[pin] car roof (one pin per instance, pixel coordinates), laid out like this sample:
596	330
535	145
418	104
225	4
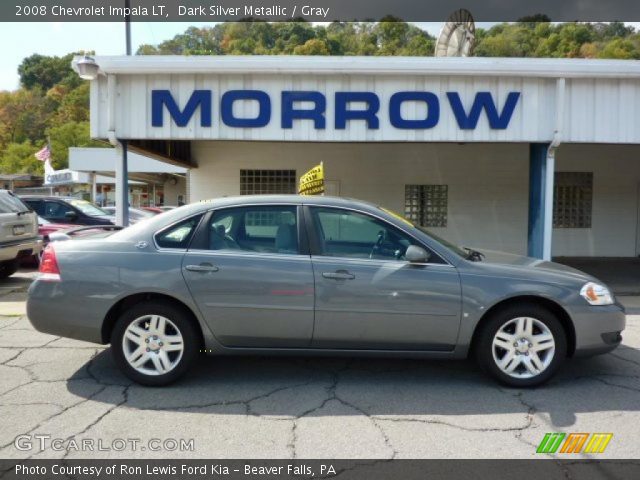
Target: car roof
297	199
47	197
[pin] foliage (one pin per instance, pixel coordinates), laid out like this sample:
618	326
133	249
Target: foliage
52	103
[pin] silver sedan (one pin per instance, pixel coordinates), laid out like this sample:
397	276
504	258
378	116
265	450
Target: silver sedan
294	275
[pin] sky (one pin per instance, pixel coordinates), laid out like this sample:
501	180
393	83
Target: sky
103	38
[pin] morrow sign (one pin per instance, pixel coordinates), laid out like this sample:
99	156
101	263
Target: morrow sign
363	106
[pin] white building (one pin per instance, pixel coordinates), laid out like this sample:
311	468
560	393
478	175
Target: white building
152	182
461	145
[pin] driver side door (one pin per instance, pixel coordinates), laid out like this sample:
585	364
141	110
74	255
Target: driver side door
367	296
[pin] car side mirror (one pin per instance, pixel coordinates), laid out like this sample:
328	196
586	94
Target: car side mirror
70	215
415	254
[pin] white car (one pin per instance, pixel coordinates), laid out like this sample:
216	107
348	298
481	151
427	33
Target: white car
18	233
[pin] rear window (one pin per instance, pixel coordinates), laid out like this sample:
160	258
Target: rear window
9	203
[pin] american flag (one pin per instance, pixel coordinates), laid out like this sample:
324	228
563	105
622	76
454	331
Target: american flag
44	154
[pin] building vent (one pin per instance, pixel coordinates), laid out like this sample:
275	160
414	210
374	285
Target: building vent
258	182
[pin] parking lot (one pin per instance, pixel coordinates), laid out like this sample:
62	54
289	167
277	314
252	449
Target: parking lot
297	407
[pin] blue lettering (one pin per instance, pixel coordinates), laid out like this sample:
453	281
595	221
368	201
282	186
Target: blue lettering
199	98
291	109
483	100
289	114
264	108
433	110
368	114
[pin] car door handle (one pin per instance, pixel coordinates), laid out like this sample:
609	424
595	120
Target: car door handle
339	275
203	267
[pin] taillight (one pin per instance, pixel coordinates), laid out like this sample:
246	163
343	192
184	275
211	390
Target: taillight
48	269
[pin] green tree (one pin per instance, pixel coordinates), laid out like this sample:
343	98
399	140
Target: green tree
19	158
70	134
315	46
43	72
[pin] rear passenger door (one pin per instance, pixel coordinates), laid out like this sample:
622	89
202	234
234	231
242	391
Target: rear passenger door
250	274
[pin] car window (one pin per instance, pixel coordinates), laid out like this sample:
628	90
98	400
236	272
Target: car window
178	235
56	210
88	208
268	229
9	203
345	233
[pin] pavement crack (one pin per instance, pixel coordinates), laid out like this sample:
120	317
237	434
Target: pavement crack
20	352
51	417
125	399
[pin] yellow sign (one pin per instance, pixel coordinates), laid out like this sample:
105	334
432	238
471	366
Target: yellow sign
312	182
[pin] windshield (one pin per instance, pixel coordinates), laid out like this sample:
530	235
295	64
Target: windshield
88	208
456	249
9	203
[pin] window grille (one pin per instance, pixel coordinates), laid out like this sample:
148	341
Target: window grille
426	205
257	182
572	199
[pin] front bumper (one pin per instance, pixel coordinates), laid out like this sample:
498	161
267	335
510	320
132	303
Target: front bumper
598	329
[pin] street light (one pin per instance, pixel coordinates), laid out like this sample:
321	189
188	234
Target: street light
87	68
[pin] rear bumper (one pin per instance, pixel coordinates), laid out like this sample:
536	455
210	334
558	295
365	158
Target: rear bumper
19	249
53	309
598	329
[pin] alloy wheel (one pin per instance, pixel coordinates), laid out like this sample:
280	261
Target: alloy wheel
523	347
153	345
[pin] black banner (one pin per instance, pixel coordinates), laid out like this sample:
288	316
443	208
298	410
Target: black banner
381	469
311	10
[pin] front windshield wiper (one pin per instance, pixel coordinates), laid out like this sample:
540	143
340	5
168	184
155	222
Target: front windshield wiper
473	255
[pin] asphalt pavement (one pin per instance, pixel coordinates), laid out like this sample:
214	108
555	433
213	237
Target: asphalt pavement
65	398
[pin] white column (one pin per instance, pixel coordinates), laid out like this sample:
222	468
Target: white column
547	239
94	189
122	188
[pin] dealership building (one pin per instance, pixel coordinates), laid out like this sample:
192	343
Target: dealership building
538	156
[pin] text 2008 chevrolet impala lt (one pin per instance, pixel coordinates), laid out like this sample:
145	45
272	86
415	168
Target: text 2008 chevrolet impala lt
314	275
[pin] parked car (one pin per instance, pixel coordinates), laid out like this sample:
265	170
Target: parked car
18	233
135	214
68	210
83	231
315	275
154	210
45	229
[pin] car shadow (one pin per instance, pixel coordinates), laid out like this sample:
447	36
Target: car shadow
295	386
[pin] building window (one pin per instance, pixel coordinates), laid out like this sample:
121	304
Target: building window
257	182
426	205
572	199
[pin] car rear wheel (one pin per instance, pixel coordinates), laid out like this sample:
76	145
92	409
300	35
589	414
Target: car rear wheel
8	268
154	343
522	346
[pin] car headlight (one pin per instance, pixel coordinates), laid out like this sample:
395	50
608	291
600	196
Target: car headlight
596	294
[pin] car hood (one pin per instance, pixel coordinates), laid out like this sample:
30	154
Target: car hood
522	263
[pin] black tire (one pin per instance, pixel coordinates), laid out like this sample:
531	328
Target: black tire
483	345
181	320
8	268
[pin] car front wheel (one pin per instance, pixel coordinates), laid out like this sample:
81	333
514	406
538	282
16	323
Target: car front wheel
522	346
154	343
